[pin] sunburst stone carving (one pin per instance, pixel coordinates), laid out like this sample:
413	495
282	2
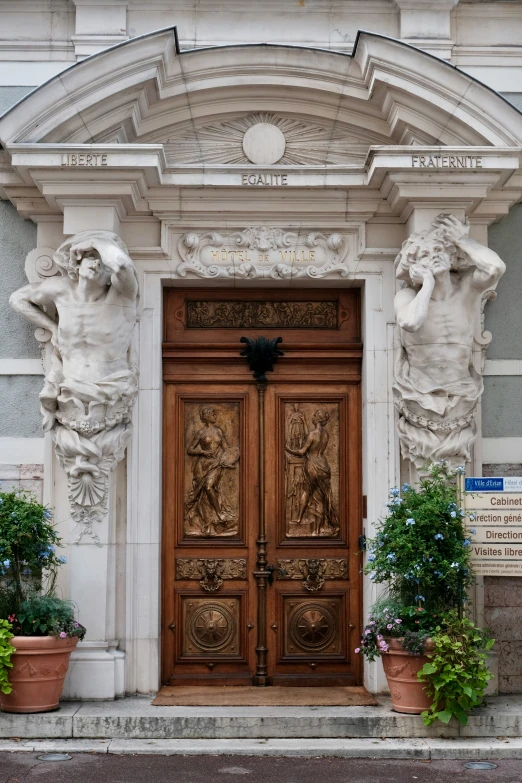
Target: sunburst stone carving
307	143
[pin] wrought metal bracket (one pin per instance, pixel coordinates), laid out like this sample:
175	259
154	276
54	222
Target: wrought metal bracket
261	355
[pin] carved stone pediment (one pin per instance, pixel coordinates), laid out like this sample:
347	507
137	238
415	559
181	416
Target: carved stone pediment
266	252
305	142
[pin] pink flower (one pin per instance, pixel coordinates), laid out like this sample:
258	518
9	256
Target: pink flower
389	626
76	624
357	649
379	636
372	622
63	635
398	621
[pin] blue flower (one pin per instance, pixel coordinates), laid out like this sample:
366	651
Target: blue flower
397	501
410	521
62	559
47	514
455	565
472	517
372	576
473	530
371	558
460	470
466	542
391	556
438	573
438	536
419	598
453	514
394	492
405	487
6	563
1	501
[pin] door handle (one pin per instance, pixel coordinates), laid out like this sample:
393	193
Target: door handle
280	573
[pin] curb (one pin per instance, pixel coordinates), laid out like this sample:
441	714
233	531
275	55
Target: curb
462	749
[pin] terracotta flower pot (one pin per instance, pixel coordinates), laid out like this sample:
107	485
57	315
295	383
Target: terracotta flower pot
401	667
40	664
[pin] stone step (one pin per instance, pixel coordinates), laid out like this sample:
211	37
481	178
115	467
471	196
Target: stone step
136	718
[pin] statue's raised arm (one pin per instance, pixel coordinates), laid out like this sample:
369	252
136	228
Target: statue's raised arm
112	253
437	386
91	383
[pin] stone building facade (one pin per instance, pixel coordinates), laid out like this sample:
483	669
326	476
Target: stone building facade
192	129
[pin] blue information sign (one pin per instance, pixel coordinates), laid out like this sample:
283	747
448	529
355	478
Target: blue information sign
490	484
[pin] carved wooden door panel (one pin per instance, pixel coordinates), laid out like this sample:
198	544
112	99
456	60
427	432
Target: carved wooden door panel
210	475
261	592
313	497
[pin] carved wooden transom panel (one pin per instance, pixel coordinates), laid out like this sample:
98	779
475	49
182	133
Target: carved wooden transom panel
250	314
211	627
311	466
211	475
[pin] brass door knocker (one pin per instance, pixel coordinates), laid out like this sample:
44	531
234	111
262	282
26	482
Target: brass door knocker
211	571
313	571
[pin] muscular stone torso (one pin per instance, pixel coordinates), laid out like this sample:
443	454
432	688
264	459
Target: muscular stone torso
94	337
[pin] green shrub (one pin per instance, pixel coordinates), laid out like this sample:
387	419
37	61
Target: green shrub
46	615
6	651
456	672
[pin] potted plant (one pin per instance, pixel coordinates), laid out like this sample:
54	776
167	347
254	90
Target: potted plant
44	627
422	553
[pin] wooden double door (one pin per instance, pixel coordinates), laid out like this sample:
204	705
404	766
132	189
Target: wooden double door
262	490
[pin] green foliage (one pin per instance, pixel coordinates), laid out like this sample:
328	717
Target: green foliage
45	615
456	672
6	651
28	544
28	567
390	620
421	549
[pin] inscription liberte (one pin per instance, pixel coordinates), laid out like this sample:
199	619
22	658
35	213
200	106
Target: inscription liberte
84	159
446	161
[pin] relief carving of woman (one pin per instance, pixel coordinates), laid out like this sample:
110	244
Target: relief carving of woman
316	504
207	512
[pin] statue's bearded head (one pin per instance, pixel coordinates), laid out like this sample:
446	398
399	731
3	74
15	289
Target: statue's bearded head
431	249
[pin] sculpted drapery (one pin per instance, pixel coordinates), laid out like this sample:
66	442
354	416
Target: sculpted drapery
91	385
436	386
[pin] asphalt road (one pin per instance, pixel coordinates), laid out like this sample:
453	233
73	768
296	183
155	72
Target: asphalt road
98	768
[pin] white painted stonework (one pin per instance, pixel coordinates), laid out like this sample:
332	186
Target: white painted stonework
437	388
91	383
146	141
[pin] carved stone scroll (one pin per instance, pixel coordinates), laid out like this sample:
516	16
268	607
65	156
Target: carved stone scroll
265	252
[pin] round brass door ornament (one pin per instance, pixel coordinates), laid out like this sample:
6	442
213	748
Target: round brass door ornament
212	627
312	626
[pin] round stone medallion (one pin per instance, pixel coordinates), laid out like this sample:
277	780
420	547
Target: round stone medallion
264	143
